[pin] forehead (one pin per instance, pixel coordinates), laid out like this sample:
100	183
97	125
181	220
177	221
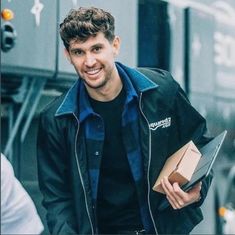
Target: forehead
91	41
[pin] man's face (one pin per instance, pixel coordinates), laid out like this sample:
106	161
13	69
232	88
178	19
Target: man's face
94	59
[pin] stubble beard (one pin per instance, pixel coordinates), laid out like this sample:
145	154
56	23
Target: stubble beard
100	85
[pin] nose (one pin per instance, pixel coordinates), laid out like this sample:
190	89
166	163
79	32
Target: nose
90	60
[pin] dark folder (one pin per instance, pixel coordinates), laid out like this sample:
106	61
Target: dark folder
209	153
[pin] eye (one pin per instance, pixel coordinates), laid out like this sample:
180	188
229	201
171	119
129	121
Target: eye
97	49
77	52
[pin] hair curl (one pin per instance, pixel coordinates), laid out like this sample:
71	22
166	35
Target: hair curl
84	22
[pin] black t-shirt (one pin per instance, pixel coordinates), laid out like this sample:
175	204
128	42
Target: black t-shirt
117	202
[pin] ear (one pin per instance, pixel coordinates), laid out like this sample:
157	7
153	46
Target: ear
67	55
116	45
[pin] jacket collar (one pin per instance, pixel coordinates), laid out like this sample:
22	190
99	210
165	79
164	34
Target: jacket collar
140	82
69	104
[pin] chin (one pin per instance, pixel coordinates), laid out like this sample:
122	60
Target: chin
96	85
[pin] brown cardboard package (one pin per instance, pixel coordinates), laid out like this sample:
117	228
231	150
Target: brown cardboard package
180	166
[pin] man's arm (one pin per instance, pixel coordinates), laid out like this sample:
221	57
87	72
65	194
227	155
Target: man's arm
53	180
191	126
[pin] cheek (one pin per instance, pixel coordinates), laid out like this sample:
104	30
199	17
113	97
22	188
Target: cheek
76	64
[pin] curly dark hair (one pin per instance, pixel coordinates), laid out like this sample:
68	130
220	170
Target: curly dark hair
82	23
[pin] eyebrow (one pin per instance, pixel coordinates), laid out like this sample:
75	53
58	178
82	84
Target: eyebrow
97	45
92	47
75	49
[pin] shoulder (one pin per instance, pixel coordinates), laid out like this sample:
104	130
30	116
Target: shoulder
63	104
51	108
159	76
163	78
167	88
47	121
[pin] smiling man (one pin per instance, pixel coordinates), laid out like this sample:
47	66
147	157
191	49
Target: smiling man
94	62
102	145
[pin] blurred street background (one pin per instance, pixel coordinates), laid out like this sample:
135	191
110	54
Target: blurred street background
194	40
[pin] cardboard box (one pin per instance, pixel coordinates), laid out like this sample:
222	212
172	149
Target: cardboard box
180	166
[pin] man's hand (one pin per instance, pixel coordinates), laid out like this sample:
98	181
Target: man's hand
177	197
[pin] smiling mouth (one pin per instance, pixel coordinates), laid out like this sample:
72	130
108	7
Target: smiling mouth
92	72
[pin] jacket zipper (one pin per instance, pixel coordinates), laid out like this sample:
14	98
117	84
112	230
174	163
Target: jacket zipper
150	156
80	174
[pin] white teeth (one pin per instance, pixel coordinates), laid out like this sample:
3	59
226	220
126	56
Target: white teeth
93	71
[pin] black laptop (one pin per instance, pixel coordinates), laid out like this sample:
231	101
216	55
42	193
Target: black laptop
209	153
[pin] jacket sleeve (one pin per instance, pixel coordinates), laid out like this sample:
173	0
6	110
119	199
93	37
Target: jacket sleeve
52	177
192	126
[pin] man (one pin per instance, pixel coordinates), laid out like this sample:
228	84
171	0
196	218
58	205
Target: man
18	212
98	154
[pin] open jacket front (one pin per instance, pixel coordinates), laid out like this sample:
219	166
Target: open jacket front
167	121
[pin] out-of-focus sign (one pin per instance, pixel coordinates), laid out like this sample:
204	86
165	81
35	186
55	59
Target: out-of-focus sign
201	28
177	43
224	48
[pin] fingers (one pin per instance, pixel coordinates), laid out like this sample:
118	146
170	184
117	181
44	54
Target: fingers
173	193
197	187
195	192
177	197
